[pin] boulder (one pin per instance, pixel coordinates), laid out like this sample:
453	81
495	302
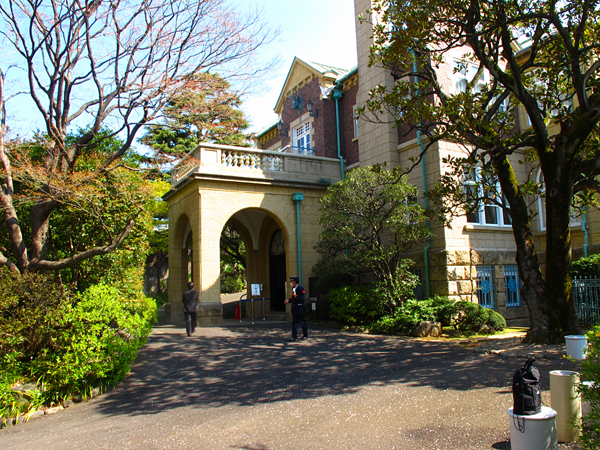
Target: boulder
427	328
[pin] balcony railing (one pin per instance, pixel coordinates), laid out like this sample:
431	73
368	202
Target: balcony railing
298	150
292	163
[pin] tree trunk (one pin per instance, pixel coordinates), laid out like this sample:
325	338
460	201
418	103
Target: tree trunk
535	291
40	225
558	244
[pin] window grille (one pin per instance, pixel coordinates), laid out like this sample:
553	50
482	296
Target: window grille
513	286
485	286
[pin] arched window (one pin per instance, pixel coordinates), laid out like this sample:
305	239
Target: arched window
277	243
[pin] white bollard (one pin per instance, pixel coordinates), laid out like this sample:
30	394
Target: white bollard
566	401
535	432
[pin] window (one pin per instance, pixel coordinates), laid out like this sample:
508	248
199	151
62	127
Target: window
486	214
302	138
355	114
419	289
464	72
513	286
485	286
277	243
541	201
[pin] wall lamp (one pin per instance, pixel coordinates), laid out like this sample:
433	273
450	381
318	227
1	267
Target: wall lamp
309	108
282	132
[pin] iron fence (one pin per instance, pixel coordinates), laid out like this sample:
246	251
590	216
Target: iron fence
586	294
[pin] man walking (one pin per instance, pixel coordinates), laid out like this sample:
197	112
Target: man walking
298	309
190	305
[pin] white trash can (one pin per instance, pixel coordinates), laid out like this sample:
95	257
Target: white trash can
576	346
535	432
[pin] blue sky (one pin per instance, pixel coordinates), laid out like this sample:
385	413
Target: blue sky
320	31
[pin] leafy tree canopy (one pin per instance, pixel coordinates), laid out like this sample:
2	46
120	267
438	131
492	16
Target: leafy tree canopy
371	218
205	110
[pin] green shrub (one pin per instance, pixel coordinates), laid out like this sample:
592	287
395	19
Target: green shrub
590	370
496	321
396	289
353	305
97	339
67	343
30	305
444	310
470	317
412	312
586	267
326	283
390	325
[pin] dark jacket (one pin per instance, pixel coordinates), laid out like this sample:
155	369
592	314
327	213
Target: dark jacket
190	300
299	301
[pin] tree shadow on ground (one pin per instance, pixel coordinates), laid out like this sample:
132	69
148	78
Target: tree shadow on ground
251	365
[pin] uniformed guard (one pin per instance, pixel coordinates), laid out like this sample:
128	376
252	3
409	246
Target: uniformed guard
298	309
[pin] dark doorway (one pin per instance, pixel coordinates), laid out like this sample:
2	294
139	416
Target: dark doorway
277	271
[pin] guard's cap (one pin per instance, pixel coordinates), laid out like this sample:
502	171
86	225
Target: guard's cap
296	279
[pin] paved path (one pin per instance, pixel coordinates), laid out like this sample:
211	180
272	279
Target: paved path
246	387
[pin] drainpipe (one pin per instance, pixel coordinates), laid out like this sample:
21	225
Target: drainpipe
585	234
297	197
424	182
336	95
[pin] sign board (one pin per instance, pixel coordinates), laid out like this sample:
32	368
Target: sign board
255	289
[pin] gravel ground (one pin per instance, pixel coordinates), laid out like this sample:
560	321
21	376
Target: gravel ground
246	387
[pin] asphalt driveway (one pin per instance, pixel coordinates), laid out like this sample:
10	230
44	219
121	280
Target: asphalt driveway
246	387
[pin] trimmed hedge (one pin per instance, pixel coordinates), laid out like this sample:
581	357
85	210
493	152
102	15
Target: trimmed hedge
470	318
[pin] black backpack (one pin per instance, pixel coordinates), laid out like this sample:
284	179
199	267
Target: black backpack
527	395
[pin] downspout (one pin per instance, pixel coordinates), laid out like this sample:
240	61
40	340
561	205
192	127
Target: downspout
297	197
585	234
336	95
425	202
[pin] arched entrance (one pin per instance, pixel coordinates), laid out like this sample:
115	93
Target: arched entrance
277	275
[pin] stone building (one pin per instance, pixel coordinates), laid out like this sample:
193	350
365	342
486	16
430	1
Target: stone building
270	195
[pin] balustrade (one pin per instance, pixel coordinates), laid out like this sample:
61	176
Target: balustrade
238	161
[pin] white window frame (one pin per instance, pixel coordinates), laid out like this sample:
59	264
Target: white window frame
541	203
355	122
461	77
301	132
481	214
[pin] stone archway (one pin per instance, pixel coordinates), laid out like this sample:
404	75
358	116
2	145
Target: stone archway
257	228
217	191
